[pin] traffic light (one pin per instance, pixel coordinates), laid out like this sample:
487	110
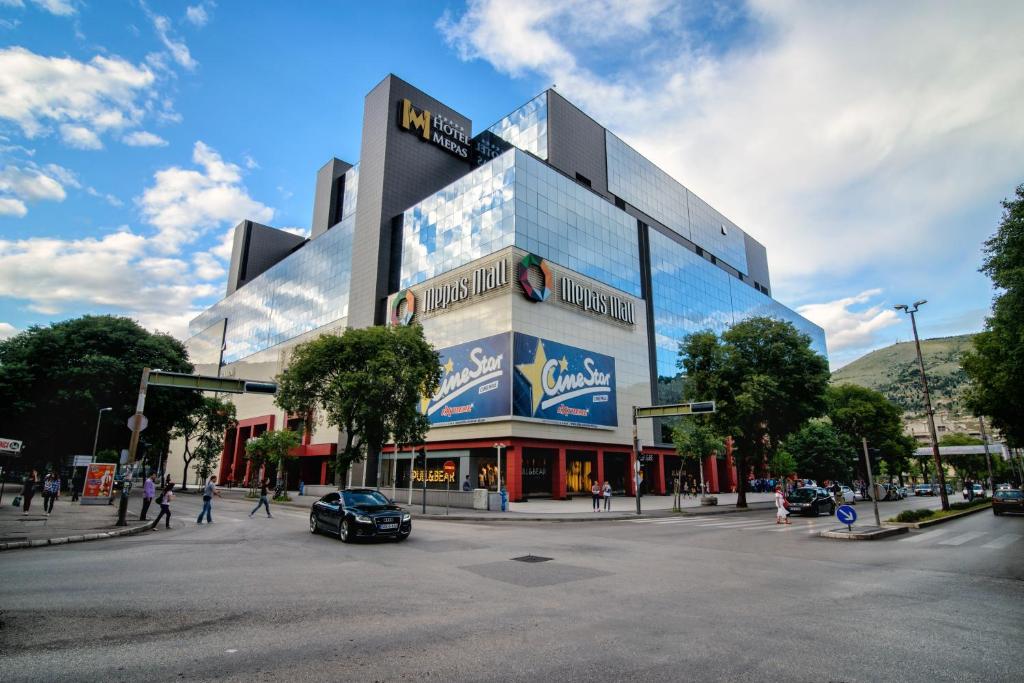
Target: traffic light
260	388
702	407
421	458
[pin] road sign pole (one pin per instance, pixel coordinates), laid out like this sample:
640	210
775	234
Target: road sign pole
636	463
133	446
871	482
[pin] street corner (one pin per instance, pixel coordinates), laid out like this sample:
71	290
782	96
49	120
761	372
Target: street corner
866	533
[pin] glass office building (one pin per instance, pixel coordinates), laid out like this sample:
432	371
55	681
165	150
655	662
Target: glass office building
544	240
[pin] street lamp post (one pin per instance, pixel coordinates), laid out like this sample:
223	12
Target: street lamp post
498	447
911	310
96	439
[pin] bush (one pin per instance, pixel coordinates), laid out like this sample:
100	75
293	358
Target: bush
282	499
914	515
966	504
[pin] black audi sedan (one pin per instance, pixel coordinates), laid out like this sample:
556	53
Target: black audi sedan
359	513
811	500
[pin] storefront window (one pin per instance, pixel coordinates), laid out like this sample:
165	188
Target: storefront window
580	472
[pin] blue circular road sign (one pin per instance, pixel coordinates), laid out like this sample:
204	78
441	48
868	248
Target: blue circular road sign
846	514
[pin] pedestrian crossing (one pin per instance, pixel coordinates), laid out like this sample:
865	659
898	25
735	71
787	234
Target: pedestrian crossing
758	524
944	538
947	538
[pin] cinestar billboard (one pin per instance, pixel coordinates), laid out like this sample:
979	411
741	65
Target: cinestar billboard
475	383
559	383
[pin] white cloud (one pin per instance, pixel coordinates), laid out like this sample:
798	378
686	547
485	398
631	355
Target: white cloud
8	330
178	49
207	267
61	8
12	207
301	232
21	184
79	137
82	99
840	136
196	15
108	198
142	138
852	323
182	203
115	272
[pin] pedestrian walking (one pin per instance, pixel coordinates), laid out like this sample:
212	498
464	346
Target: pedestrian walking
209	491
148	494
28	490
595	495
606	490
264	499
781	507
165	507
466	486
51	491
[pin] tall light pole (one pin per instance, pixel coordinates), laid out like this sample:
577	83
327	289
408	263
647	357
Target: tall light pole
911	310
96	439
498	447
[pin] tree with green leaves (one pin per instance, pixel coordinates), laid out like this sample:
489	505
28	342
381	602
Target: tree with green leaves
820	452
765	379
368	382
782	465
695	438
202	432
858	413
66	372
272	448
996	365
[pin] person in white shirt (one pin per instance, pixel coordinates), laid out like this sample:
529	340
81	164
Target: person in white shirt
781	512
607	491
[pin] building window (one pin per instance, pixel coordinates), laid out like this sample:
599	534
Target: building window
583	180
620	203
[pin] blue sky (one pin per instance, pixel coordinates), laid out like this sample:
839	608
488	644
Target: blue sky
867	146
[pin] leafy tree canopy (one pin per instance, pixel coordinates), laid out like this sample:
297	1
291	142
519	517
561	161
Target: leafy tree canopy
996	366
368	382
820	452
272	448
960	439
765	379
202	431
55	379
858	412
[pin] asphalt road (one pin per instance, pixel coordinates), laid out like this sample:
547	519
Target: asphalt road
732	597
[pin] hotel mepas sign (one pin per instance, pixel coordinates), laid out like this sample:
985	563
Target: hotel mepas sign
475	383
559	383
434	128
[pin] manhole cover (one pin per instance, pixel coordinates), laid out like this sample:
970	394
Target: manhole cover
531	558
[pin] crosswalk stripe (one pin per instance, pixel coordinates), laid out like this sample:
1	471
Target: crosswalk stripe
1002	541
926	536
962	538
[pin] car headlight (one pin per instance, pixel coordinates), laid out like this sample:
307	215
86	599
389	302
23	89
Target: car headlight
363	519
406	517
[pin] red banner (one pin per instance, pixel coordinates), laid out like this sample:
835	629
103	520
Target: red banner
99	480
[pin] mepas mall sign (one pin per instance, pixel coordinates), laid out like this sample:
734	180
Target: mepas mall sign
434	128
434	299
10	446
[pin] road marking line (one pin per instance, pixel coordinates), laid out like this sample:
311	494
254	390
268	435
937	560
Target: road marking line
926	536
963	538
1002	541
739	525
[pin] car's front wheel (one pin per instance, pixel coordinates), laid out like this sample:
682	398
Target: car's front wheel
313	529
401	537
344	532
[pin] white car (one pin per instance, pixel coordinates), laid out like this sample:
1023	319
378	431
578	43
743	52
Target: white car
848	495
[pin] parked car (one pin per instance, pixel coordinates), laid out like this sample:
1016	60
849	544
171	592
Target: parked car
359	513
904	492
979	491
925	490
811	500
1007	500
848	495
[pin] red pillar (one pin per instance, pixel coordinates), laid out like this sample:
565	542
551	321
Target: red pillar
631	475
559	482
730	468
659	474
241	435
513	462
711	473
323	472
226	456
600	466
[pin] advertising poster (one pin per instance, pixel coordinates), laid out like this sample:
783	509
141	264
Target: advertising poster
99	483
559	383
475	383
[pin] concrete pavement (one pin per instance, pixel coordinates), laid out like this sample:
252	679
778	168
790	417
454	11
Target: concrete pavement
69	522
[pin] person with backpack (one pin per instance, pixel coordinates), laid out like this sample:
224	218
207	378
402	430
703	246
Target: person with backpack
165	507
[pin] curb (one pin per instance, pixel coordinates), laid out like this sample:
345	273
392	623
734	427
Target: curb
79	538
925	523
513	517
882	532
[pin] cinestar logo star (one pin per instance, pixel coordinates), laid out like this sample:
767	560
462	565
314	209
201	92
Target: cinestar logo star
552	381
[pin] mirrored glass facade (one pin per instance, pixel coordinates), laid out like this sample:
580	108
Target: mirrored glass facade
306	290
639	182
526	127
690	294
516	199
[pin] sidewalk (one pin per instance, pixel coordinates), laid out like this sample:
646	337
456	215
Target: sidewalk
579	509
69	523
